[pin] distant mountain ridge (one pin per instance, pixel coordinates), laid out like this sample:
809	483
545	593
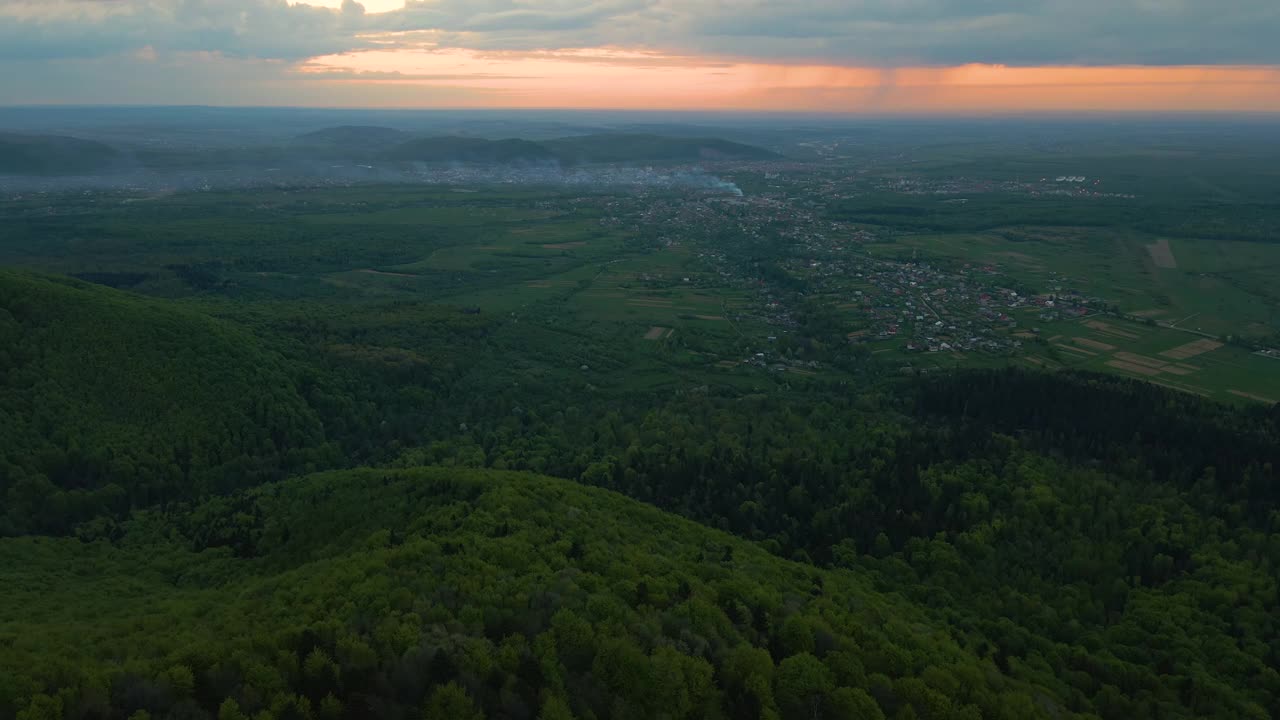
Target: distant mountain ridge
22	154
625	148
472	151
368	136
582	150
56	155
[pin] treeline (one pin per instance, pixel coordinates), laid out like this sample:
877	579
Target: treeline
1236	221
1171	437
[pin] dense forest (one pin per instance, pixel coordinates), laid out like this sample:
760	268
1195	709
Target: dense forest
186	537
112	402
468	594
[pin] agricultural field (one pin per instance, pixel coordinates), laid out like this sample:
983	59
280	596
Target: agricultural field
554	273
690	290
1171	358
1220	287
1175	359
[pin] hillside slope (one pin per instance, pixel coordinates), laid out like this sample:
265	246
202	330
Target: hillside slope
52	155
583	150
470	594
354	136
116	401
622	148
471	151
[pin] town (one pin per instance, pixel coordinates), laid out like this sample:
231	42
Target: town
780	248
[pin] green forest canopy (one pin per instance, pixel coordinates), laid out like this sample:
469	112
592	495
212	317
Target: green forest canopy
110	400
995	544
528	595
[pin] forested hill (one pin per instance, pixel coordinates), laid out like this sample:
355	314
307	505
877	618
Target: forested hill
1051	545
354	136
634	148
52	155
473	595
571	151
110	401
471	151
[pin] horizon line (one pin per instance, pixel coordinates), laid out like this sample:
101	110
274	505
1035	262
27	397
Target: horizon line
1121	112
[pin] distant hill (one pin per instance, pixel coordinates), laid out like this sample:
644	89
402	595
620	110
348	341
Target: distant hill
52	155
629	148
355	136
472	151
583	150
112	400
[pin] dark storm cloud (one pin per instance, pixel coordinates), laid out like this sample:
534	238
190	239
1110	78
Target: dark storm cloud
948	32
868	32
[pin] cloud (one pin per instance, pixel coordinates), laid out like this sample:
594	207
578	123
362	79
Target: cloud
1010	32
871	32
883	33
320	72
269	29
266	51
512	15
203	78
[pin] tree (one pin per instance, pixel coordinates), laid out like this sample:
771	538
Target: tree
451	702
796	636
331	708
624	669
320	671
882	545
669	682
555	708
182	680
854	704
802	686
230	710
748	674
574	639
42	707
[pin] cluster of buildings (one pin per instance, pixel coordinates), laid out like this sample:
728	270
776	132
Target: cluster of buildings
908	304
778	245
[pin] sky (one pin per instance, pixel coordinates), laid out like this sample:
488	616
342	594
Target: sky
831	56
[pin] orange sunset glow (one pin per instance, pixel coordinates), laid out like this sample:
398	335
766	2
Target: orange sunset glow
618	78
824	56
